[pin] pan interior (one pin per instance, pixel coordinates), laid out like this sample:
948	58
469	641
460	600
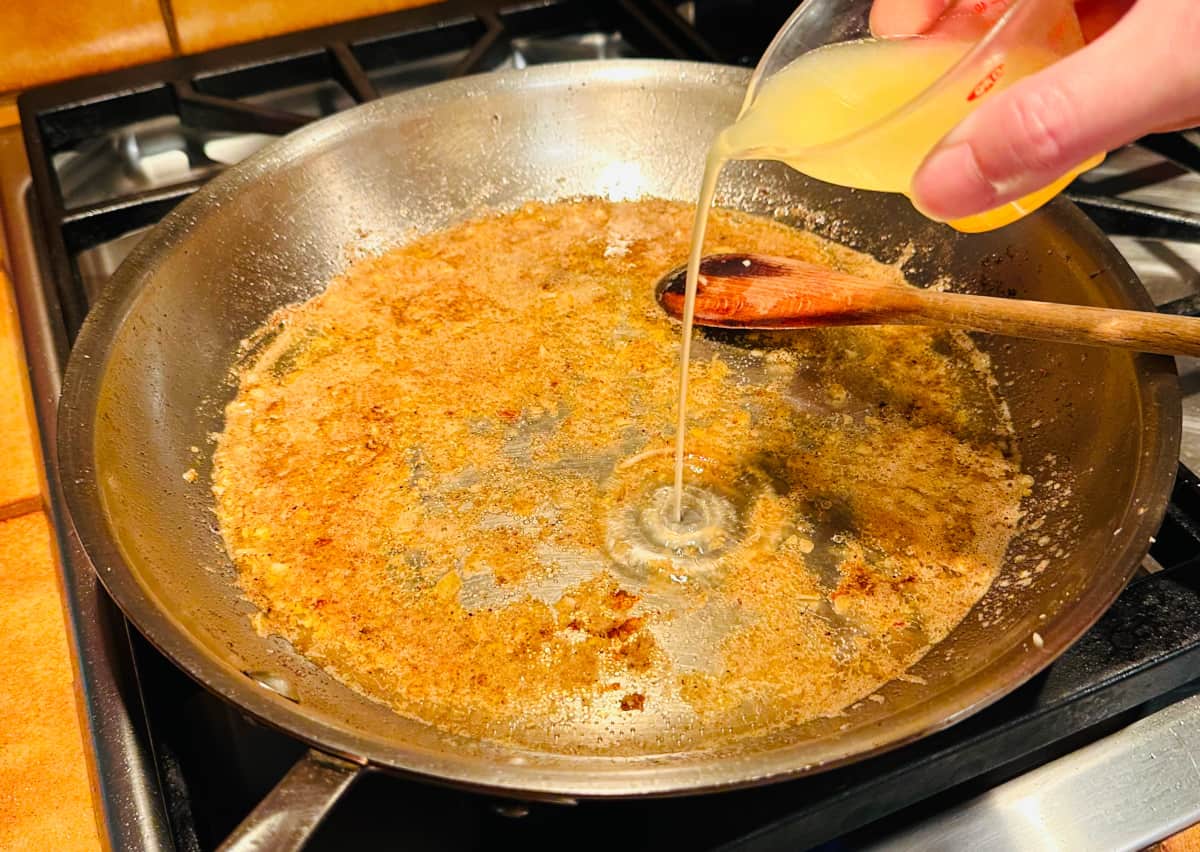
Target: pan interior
448	479
152	372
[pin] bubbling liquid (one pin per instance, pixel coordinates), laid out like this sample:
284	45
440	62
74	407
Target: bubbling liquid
644	535
650	533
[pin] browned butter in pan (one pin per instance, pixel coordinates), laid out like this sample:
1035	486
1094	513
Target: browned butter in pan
445	478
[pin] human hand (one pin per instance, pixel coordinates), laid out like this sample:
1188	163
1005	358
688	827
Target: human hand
1138	74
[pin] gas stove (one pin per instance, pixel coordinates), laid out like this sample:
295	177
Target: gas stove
1109	732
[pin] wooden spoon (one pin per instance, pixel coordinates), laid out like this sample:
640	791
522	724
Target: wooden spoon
756	291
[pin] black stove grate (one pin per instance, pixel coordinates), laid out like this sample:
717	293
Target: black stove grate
222	91
1118	216
213	764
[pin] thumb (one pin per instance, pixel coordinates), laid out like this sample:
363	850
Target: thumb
1133	80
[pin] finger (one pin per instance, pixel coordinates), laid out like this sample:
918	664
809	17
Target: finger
894	18
897	18
1135	78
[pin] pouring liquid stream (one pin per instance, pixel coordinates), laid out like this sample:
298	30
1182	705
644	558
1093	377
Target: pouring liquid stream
708	189
836	114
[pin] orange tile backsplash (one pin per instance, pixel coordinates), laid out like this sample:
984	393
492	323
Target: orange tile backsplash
45	802
205	24
42	41
19	485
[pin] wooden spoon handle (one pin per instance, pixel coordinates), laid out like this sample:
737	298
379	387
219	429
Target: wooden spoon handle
756	291
1143	331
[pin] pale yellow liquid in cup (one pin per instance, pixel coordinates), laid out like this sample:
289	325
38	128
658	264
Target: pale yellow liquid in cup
817	115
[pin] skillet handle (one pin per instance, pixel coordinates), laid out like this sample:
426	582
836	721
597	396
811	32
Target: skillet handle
285	820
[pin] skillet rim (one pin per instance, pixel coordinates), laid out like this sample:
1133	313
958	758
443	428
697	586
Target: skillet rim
1160	422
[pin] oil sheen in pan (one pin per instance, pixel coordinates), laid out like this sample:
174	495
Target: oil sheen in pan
444	481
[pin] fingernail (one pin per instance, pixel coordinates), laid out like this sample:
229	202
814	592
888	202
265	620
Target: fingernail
950	184
905	18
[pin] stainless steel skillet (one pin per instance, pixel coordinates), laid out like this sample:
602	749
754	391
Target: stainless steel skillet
150	374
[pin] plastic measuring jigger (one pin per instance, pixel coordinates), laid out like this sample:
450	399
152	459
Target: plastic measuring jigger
840	105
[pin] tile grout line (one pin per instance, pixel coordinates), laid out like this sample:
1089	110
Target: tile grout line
19	508
168	17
